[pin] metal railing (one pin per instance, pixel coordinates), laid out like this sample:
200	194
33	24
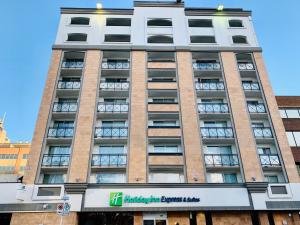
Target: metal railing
114	86
217	160
56	160
116	65
111	132
256	108
210	86
217	132
66	132
206	66
262	132
213	108
269	160
109	160
64	107
113	107
68	85
246	66
250	86
72	64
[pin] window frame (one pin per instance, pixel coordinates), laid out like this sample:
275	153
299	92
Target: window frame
157	19
230	20
203	43
195	20
160	36
118	18
120	42
72	41
80	17
239	36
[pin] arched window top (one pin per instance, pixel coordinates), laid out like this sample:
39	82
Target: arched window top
239	39
77	37
80	21
236	23
159	22
160	39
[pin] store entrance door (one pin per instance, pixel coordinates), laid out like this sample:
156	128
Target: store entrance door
155	219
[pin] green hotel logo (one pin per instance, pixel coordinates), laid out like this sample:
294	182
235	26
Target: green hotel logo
116	198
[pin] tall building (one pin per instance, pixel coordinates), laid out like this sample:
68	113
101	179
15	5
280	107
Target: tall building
13	157
160	115
289	107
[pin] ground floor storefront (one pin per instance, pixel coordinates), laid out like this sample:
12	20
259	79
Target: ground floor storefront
156	218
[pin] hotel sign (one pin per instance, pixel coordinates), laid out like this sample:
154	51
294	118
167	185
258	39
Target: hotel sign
117	199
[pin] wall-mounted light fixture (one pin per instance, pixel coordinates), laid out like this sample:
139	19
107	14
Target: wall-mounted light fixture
99	5
220	7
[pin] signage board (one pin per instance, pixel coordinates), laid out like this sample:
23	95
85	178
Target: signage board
63	209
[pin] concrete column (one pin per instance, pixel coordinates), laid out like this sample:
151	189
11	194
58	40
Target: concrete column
189	117
43	218
42	119
278	126
200	218
137	171
178	218
85	121
241	120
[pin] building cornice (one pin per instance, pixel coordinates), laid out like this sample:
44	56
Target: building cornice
106	11
215	12
158	4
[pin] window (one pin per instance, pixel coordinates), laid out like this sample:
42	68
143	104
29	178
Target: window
113	123
203	39
200	23
58	150
159	22
235	23
166	177
298	168
278	190
80	21
264	150
215	124
77	37
271	178
49	191
165	149
168	123
239	39
218	150
54	178
222	178
163	100
293	138
290	113
121	22
160	39
117	38
161	56
118	149
110	178
63	124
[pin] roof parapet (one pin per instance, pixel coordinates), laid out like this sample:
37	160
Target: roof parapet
159	4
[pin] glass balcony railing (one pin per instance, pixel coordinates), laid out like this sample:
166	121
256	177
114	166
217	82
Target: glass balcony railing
68	85
65	107
111	132
109	160
262	132
246	66
115	86
217	132
66	132
72	64
116	65
206	66
112	107
269	160
251	86
219	160
56	160
256	108
213	108
210	86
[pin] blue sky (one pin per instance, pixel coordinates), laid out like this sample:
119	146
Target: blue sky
29	30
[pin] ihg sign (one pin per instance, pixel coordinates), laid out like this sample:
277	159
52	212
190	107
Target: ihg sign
117	199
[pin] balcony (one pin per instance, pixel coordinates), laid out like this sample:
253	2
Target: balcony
111	132
269	160
210	86
68	85
217	132
114	86
56	160
109	160
214	108
256	108
207	66
67	107
107	107
262	132
250	86
221	160
72	64
116	65
64	132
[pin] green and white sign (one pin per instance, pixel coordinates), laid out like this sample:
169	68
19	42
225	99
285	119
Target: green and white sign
116	198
